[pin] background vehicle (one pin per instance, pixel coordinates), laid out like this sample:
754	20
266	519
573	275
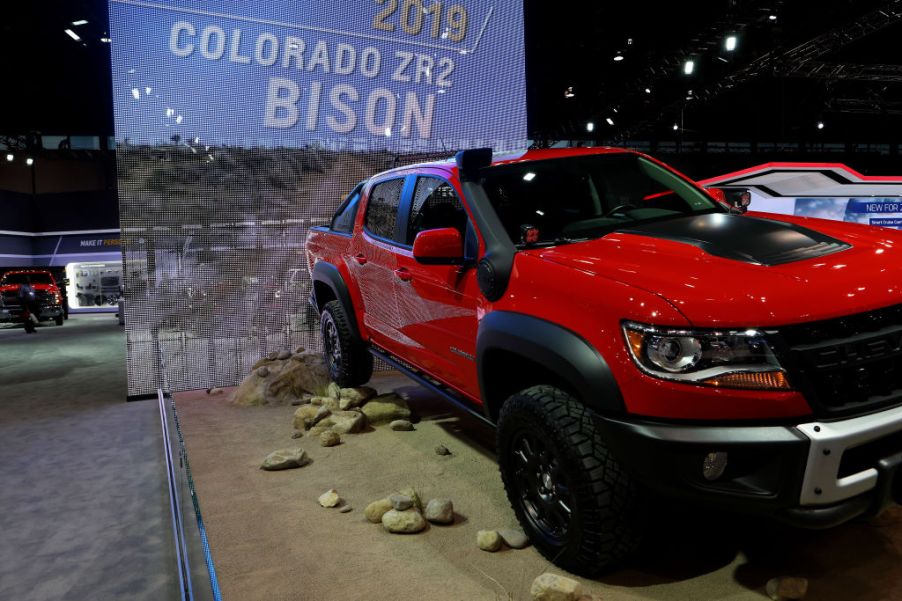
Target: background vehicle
48	299
633	338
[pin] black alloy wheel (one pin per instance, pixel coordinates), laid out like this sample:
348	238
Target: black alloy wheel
542	487
580	508
350	363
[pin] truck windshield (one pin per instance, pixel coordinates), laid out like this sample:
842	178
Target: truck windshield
26	278
589	196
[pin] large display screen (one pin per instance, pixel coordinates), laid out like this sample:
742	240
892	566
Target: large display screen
241	124
358	74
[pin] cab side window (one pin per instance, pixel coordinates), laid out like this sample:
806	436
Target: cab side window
382	208
343	221
435	205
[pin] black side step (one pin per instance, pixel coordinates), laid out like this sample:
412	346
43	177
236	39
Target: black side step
430	383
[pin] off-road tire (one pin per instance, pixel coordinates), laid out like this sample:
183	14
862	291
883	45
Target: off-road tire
59	320
352	365
29	326
606	514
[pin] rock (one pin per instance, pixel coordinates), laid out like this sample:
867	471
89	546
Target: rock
401	425
329	438
785	588
488	540
283	355
321	414
303	413
400	502
297	434
442	450
386	408
375	510
408	491
299	350
272	356
440	511
355	397
330	498
346	509
284	382
403	522
333	390
297	402
345	422
513	538
551	587
262	361
317	431
326	401
284	459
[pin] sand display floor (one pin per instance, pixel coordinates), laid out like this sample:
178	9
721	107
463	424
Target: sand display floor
271	540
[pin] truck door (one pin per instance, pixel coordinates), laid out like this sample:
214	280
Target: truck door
438	302
374	263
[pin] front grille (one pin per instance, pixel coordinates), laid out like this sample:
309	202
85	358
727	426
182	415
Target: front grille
845	366
10	299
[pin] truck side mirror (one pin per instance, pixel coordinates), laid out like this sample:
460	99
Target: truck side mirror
443	246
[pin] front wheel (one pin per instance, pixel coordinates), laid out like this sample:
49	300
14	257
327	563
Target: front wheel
577	504
29	325
59	320
350	363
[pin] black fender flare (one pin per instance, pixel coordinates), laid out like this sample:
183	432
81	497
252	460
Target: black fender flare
564	352
328	274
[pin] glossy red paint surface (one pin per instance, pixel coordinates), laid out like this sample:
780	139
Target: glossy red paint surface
429	317
52	287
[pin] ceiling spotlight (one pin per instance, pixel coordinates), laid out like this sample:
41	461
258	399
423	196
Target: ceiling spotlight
79	22
72	35
729	43
10	157
105	40
629	41
609	120
820	125
689	67
29	161
618	58
676	127
568	93
590	126
529	177
648	90
772	17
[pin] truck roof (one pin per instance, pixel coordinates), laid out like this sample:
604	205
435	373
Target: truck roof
506	158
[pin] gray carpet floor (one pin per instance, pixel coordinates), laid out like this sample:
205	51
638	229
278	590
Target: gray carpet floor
84	510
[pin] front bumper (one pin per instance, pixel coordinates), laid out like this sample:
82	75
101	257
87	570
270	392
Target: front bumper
814	475
13	314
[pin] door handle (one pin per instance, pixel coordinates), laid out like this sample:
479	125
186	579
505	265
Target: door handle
361	260
403	274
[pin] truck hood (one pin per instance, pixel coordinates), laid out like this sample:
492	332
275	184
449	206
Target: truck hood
752	270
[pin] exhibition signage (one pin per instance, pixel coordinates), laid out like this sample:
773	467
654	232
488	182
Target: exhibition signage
412	74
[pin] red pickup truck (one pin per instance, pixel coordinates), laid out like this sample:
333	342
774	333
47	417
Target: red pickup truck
46	299
632	337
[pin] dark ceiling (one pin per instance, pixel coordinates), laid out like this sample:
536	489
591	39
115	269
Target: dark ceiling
772	88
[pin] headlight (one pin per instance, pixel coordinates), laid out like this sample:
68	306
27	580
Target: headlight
723	358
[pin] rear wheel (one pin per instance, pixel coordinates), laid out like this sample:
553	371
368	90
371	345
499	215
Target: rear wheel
350	363
59	320
577	504
29	325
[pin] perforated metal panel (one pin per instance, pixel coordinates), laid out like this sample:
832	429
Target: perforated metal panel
241	125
